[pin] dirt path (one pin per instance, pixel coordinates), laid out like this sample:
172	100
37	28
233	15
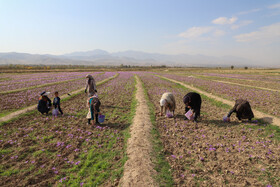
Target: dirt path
265	117
33	107
138	169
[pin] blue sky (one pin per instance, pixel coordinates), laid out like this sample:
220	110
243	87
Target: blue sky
249	29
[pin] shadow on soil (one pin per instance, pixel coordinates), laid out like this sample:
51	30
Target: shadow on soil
110	106
220	123
115	125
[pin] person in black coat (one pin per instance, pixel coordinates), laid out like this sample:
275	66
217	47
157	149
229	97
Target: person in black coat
242	109
45	103
192	101
56	102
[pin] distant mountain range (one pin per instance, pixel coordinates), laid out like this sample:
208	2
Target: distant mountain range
133	58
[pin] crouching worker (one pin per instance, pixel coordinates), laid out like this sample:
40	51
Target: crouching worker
94	109
192	102
242	109
45	103
168	102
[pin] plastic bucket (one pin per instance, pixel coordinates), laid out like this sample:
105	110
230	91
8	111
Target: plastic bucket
189	115
226	119
101	118
169	114
55	112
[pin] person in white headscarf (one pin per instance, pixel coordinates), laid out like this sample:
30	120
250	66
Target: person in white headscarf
90	85
168	102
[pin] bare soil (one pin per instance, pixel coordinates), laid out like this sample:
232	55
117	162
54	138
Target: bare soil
138	170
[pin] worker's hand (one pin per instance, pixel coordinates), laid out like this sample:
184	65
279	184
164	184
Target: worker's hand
161	114
85	90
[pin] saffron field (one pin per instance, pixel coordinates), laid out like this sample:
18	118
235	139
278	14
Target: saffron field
20	99
42	150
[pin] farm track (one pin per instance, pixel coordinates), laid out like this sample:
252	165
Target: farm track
33	107
138	169
265	117
238	84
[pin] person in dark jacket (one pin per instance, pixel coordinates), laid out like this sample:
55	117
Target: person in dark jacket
56	102
242	109
192	101
45	103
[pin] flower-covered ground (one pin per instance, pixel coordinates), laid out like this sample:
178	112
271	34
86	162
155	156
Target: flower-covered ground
264	100
214	153
13	101
45	150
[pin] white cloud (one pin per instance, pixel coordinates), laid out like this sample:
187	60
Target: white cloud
195	32
268	34
249	11
202	34
275	10
224	20
218	33
241	24
275	6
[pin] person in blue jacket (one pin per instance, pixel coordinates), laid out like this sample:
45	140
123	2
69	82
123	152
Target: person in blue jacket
45	103
56	102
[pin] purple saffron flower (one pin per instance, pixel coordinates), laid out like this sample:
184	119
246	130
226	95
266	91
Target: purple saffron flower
173	156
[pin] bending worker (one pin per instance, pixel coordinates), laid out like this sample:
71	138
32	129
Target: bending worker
242	109
168	102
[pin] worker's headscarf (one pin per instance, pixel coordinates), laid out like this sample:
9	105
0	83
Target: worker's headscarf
187	99
162	102
89	76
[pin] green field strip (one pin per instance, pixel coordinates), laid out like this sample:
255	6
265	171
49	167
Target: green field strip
65	97
263	116
95	167
40	86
